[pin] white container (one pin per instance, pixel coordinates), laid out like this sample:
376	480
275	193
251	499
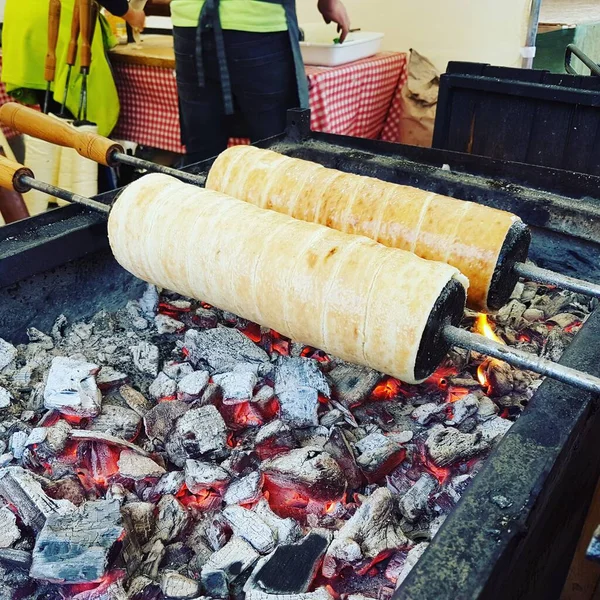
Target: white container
319	49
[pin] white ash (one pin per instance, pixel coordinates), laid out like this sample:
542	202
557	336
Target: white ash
109	377
5	398
245	489
145	358
149	300
165	324
8	526
134	466
401	437
45	341
162	387
17	444
172	519
414	503
175	585
71	387
8	353
487	409
428	412
320	593
118	421
462	409
177	370
160	420
249	526
448	445
371	531
141	517
5	459
236	386
22	378
288	531
201	476
192	385
264	394
169	484
494	429
276	429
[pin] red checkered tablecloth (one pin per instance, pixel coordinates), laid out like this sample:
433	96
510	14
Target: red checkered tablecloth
360	99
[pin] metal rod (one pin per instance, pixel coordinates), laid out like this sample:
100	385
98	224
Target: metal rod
519	358
64	194
150	166
532	29
533	273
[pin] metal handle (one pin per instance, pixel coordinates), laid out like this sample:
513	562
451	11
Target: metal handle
584	58
53	26
522	360
33	123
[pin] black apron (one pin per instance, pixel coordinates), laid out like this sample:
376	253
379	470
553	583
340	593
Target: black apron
209	19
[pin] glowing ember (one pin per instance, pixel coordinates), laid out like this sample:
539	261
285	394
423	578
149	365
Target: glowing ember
318	355
387	389
440	473
440	377
483	327
78	591
456	393
252	331
573	326
240	416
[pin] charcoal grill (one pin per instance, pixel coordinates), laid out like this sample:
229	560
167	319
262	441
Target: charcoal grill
60	262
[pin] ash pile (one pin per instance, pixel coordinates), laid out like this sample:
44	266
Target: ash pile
172	450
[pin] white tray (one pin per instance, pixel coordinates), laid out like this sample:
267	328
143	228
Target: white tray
318	48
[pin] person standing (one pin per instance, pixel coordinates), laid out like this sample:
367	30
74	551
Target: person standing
239	57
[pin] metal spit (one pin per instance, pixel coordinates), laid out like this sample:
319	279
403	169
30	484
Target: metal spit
19	178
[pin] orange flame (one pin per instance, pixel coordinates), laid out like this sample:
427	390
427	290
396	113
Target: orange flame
483	327
387	389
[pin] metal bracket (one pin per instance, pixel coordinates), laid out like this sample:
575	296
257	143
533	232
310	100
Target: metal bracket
298	124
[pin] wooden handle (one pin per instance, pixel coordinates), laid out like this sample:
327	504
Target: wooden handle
93	20
10	174
53	26
72	50
85	19
33	123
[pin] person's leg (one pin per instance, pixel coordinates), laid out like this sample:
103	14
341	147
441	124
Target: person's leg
201	111
263	79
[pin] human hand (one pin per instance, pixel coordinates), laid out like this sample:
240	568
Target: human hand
135	18
334	10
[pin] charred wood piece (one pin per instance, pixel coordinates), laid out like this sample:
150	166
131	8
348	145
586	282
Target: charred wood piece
82	435
352	384
412	559
236	386
372	531
448	445
379	455
462	409
429	412
74	547
221	349
414	503
249	526
593	550
291	568
165	324
310	470
20	488
160	420
171	520
243	490
175	585
140	517
118	421
319	594
493	430
9	531
338	446
72	389
201	476
8	353
162	387
137	467
146	358
287	530
19	559
135	400
192	385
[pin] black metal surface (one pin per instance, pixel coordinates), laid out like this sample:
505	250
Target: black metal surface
531	116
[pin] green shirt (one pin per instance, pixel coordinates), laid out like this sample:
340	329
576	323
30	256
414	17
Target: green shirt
240	15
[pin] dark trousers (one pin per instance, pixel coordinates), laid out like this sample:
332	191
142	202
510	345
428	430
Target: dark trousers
263	83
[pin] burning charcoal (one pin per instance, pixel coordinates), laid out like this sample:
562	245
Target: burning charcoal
448	445
8	526
494	429
115	420
554	345
487	409
412	559
145	358
500	377
414	503
166	324
68	488
331	418
71	388
510	314
273	438
237	386
199	432
371	532
149	300
338	446
160	420
74	547
174	585
20	488
321	593
264	394
141	517
210	395
310	470
5	398
134	466
172	519
222	349
249	526
206	318
201	476
155	554
83	435
22	378
224	566
109	377
379	455
463	408
288	531
243	490
564	319
426	413
8	353
533	314
170	483
135	400
353	384
192	385
162	387
292	568
177	370
17	443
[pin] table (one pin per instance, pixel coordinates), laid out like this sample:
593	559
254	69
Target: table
359	99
